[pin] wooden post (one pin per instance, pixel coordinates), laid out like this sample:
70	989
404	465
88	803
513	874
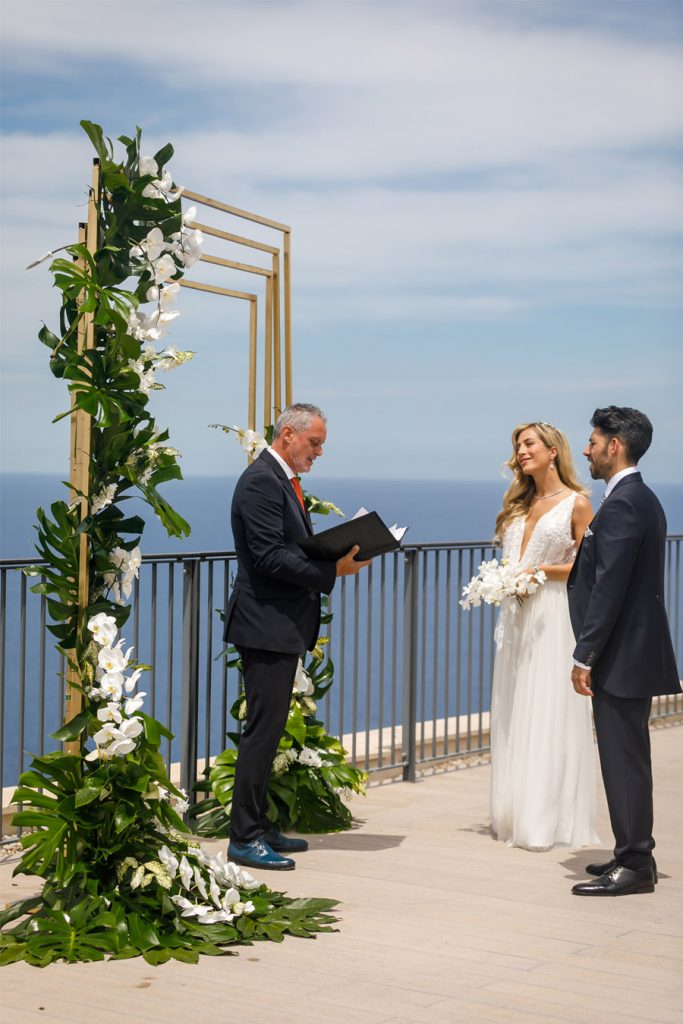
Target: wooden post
277	351
79	472
252	364
287	246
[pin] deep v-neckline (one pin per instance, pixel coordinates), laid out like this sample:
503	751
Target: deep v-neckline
523	551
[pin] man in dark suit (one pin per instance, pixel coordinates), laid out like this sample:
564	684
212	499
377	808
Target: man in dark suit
624	656
273	618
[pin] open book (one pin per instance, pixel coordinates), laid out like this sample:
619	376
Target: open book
365	529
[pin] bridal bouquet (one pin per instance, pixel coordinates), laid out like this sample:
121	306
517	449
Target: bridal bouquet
497	580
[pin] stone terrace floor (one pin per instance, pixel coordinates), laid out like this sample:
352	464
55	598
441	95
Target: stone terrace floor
438	924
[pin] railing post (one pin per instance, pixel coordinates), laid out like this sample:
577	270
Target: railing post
410	645
190	680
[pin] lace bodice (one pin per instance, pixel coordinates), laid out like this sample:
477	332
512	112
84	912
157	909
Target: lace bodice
551	541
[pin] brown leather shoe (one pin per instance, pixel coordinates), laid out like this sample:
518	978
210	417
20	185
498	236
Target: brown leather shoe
618	881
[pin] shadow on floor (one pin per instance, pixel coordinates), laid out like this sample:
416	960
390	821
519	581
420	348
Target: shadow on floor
482	828
575	863
365	842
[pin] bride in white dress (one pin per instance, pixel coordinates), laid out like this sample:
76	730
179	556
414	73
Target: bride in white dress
542	758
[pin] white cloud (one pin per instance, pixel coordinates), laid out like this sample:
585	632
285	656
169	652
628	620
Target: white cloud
438	167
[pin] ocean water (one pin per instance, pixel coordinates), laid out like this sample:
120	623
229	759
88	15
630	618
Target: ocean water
433	510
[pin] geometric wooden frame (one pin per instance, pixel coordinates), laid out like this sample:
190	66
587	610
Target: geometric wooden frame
80	444
277	363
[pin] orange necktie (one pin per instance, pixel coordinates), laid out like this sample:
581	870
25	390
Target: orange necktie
299	493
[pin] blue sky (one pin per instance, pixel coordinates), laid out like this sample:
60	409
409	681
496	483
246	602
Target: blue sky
486	202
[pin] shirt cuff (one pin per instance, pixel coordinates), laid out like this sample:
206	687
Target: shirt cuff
580	664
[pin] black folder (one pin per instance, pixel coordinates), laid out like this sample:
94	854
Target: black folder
368	531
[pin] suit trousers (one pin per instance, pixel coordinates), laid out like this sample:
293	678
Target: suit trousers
622	730
268	683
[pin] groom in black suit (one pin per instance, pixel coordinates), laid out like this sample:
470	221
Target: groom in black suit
624	656
273	618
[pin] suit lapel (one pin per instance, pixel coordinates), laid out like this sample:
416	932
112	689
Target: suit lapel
290	493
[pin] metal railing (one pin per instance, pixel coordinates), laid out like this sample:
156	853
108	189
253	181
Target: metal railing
412	671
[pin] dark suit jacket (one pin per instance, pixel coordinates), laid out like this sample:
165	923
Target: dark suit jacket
616	596
275	602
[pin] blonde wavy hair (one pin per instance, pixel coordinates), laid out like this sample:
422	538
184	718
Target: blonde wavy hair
519	495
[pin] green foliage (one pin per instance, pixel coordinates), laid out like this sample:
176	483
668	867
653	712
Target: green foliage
103	830
302	796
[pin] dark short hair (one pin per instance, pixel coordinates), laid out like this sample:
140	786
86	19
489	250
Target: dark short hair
633	428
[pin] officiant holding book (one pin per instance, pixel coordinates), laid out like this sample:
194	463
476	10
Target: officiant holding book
273	618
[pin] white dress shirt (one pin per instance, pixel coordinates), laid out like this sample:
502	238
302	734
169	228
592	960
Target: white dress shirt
614	480
287	468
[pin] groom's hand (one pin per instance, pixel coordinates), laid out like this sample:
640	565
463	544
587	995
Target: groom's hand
347	566
581	680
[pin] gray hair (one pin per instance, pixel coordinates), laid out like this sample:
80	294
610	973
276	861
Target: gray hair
299	417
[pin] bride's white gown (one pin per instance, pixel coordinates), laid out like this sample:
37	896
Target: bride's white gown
542	758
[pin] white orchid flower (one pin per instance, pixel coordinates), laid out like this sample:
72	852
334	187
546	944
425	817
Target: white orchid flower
134	704
103	628
131	727
112	659
148	165
192	242
240	878
230	897
154	244
130	683
110	713
134	560
186	873
164	268
169	294
302	681
189	909
199	882
190	215
120	747
169	860
111	685
118	557
214	917
215	892
106	734
152	294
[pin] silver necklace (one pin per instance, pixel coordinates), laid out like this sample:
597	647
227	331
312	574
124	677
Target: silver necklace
543	497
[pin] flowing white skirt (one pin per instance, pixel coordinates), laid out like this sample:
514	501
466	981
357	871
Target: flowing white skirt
542	755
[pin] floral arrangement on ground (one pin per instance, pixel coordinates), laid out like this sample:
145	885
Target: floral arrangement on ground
121	875
310	774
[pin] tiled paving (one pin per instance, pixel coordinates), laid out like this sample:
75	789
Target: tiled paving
439	924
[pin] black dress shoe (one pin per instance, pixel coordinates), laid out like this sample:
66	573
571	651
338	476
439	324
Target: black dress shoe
618	881
283	844
602	869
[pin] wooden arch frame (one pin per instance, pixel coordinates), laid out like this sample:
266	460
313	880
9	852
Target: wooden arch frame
275	361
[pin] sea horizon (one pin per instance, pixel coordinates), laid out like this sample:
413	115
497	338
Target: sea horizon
434	510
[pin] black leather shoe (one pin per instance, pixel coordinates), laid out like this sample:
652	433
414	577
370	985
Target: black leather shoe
258	854
618	881
283	844
602	869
